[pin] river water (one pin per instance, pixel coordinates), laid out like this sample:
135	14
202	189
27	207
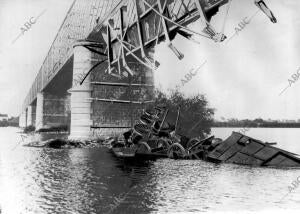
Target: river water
40	180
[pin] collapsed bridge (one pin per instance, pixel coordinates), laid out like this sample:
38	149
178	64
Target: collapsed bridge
98	74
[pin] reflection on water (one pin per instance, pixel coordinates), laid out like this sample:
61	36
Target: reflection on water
39	180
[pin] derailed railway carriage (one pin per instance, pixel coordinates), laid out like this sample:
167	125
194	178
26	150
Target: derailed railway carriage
153	136
130	33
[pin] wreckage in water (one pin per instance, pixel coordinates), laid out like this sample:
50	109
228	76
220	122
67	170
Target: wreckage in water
241	149
152	138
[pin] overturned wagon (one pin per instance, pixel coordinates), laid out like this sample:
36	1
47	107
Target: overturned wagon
153	136
241	149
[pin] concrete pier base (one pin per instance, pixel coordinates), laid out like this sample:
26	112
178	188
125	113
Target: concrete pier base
30	116
22	120
51	111
39	122
81	110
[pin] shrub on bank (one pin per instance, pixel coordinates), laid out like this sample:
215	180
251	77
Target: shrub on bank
196	117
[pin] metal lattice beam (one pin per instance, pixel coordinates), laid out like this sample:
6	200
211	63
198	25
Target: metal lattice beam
130	28
136	26
81	19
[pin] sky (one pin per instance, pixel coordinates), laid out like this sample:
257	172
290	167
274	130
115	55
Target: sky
241	79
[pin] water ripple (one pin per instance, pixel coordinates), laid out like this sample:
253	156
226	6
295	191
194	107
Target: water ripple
39	180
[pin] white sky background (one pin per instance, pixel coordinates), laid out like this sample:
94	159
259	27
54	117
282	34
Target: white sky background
241	79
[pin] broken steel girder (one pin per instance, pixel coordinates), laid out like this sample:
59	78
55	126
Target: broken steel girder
136	26
264	8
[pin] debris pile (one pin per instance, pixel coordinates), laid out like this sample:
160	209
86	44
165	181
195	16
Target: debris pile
153	136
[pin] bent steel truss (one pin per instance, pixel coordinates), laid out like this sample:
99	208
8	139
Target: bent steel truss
135	26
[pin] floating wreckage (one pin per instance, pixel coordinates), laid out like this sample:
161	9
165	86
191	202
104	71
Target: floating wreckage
241	149
154	137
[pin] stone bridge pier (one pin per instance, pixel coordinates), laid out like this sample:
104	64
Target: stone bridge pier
28	116
31	115
81	91
23	119
105	104
47	111
52	110
51	106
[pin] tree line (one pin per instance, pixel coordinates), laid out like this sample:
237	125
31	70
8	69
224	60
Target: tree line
256	123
